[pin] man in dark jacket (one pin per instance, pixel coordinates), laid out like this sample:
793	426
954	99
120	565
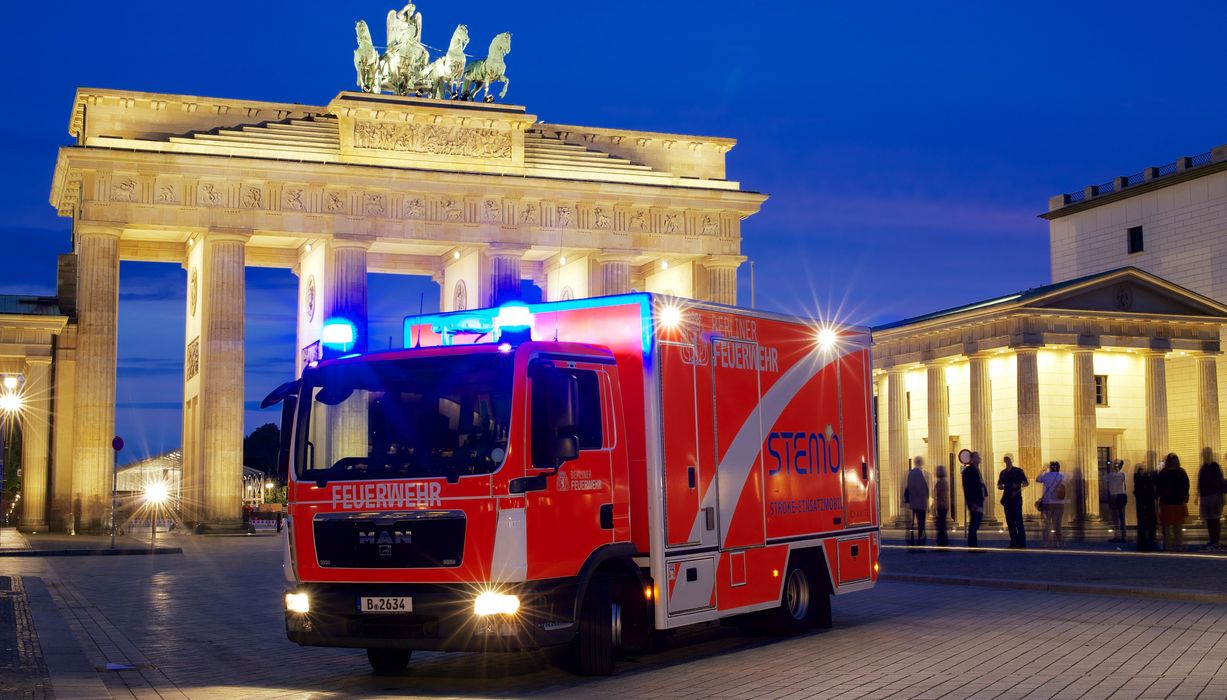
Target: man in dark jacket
1144	495
1011	484
974	493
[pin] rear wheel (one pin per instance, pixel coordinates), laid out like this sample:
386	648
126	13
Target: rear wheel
388	660
797	603
600	630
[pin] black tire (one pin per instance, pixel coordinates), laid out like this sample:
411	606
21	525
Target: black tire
822	618
388	660
795	614
600	621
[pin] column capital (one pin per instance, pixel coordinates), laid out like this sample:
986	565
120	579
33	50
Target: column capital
227	233
38	361
93	228
504	250
350	242
733	261
1079	350
606	256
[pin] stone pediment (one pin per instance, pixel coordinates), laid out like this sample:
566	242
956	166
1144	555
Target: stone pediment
1127	291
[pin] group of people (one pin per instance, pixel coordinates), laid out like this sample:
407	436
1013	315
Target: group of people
1160	498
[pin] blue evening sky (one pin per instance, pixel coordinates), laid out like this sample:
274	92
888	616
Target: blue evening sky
907	147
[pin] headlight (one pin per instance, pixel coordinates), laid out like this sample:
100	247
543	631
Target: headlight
297	602
491	603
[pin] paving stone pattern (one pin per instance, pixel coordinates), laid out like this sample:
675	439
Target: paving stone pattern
23	674
208	624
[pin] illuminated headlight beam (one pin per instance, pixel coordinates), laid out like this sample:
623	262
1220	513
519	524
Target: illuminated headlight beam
491	603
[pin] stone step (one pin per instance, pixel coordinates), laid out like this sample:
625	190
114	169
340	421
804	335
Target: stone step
600	164
281	137
257	142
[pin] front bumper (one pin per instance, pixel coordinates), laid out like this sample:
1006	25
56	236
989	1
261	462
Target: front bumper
442	617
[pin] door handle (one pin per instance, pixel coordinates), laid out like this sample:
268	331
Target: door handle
709	515
864	471
691	477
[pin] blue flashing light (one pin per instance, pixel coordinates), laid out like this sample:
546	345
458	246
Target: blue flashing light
478	321
514	316
339	334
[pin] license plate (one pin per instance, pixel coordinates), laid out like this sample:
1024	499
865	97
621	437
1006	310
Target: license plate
385	604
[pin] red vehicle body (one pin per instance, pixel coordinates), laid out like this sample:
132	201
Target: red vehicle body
628	464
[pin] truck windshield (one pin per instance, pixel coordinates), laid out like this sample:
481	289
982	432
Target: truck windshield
417	418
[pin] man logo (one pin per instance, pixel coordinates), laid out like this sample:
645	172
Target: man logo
385	538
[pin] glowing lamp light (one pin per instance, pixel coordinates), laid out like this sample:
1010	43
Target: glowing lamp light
504	347
338	333
827	339
10	382
670	316
297	603
10	402
491	603
157	492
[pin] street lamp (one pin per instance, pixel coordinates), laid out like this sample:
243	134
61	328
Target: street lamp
156	493
10	405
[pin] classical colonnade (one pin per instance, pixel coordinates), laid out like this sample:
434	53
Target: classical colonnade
478	197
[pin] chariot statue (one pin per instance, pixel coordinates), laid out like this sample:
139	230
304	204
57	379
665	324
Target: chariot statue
406	68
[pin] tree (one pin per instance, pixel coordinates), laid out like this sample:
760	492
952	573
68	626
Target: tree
260	448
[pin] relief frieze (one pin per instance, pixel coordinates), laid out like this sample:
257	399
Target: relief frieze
433	139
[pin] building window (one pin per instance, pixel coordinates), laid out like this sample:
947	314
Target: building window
1135	240
909	405
1101	390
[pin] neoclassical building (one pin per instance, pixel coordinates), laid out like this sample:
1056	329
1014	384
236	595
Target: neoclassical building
477	196
1114	365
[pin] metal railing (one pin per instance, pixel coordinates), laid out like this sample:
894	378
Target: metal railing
1138	178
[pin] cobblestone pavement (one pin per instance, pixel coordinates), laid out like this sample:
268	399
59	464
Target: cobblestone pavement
207	624
23	674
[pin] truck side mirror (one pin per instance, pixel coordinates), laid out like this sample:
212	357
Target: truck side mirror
566	448
555	402
288	404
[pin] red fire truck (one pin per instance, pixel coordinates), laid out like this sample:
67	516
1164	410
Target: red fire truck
582	472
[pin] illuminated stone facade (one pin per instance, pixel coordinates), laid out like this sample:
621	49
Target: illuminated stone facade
1077	371
477	196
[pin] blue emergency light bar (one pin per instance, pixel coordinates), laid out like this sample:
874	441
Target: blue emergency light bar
338	334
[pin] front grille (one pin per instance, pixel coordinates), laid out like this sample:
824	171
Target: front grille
406	540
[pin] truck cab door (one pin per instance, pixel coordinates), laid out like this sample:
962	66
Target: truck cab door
569	512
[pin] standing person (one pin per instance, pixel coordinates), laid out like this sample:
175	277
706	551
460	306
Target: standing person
1117	499
918	497
941	502
1210	488
1144	496
1011	484
1053	500
1173	489
974	493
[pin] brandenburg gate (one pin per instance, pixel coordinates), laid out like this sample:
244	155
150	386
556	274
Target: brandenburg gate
478	196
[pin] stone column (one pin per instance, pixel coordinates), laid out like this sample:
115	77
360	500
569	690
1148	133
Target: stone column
1156	407
615	274
1086	458
938	401
94	414
896	441
64	402
1208	436
502	273
1028	456
35	443
213	379
982	430
720	279
347	298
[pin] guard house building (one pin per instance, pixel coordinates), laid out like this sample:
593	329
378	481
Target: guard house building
1119	364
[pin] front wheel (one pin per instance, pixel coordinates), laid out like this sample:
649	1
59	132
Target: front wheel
600	630
388	660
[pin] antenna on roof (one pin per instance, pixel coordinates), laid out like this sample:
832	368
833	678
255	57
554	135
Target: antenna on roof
421	303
